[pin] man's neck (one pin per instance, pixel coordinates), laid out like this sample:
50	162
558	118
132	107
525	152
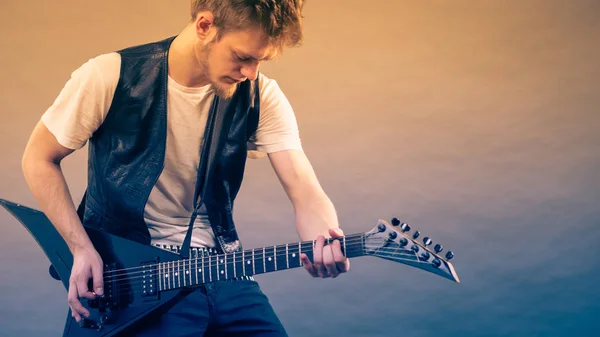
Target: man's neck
183	64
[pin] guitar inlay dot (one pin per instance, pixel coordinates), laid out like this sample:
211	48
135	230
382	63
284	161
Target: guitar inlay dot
248	262
269	259
222	272
294	255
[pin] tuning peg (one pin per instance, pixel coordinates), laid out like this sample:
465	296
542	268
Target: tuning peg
425	256
436	263
427	241
416	234
405	227
403	242
438	248
415	248
381	227
449	255
393	235
395	222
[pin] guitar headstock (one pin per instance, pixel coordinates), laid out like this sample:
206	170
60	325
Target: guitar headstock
394	242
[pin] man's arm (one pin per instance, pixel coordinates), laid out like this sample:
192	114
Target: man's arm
42	171
315	214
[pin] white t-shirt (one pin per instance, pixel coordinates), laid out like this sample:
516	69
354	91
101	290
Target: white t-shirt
83	104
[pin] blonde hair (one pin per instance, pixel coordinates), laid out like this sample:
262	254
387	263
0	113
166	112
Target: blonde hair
281	20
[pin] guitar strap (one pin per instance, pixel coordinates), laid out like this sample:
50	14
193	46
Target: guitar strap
217	109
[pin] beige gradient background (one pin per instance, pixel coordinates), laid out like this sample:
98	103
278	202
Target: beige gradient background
475	121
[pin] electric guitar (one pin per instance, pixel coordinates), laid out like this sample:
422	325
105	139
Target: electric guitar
142	280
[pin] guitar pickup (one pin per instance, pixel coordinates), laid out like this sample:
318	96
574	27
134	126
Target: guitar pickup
149	287
111	287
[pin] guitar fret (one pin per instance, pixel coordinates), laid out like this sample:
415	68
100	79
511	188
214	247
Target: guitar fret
287	257
178	274
300	251
202	270
267	267
160	277
345	250
275	256
184	272
298	261
173	274
244	262
209	268
264	260
196	267
253	263
234	271
247	270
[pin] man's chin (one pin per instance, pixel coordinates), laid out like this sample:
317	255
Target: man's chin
225	91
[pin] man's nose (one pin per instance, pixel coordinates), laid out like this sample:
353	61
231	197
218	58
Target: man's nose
250	71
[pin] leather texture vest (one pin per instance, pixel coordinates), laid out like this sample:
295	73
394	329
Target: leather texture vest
127	152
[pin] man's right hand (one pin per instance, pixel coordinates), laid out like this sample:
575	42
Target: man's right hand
87	264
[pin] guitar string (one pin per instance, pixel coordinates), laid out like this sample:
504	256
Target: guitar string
229	260
214	260
185	276
193	264
173	282
350	240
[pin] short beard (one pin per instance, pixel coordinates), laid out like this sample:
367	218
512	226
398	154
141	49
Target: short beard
224	92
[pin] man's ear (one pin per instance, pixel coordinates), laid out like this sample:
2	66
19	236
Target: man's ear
205	25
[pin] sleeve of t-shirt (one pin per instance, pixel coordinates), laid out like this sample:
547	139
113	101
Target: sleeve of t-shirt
277	126
84	101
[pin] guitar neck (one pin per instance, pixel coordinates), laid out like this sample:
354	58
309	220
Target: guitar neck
196	271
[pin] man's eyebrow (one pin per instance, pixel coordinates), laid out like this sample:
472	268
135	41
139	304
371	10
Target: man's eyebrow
243	55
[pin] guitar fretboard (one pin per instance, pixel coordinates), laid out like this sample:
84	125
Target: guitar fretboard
210	268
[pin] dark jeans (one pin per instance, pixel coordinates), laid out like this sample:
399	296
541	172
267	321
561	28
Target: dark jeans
225	308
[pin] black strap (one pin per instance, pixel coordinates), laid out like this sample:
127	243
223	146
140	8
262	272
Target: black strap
217	109
219	121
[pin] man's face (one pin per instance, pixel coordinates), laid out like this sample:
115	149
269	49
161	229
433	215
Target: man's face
235	58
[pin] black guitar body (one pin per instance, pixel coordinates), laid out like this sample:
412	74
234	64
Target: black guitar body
130	291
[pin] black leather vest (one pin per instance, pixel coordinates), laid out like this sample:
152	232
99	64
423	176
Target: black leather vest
126	154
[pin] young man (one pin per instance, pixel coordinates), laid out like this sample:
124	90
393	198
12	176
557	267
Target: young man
168	125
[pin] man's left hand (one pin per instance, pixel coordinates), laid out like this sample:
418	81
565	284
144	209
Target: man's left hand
329	261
